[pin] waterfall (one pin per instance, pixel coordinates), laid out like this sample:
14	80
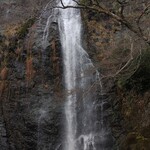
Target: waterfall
69	26
85	125
81	84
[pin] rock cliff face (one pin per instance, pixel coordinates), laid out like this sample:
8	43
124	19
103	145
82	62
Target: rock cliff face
31	85
31	90
109	45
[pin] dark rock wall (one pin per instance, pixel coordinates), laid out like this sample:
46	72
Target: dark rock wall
31	90
109	44
32	100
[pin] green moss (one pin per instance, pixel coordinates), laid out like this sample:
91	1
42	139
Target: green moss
24	28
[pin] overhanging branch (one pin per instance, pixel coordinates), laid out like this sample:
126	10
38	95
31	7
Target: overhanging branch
121	19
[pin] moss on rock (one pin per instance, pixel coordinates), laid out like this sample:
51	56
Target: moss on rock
25	27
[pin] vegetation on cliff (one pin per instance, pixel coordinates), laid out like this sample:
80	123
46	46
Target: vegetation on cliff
117	36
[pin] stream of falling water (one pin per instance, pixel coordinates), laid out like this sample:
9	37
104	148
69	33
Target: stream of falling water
81	81
70	39
85	124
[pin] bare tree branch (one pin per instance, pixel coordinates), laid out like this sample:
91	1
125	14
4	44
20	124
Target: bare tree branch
122	5
135	28
62	3
104	10
79	4
140	17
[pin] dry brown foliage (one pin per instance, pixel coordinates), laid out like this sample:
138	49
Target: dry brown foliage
29	69
4	73
2	87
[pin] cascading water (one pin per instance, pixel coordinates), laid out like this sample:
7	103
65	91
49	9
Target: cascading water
84	131
70	37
